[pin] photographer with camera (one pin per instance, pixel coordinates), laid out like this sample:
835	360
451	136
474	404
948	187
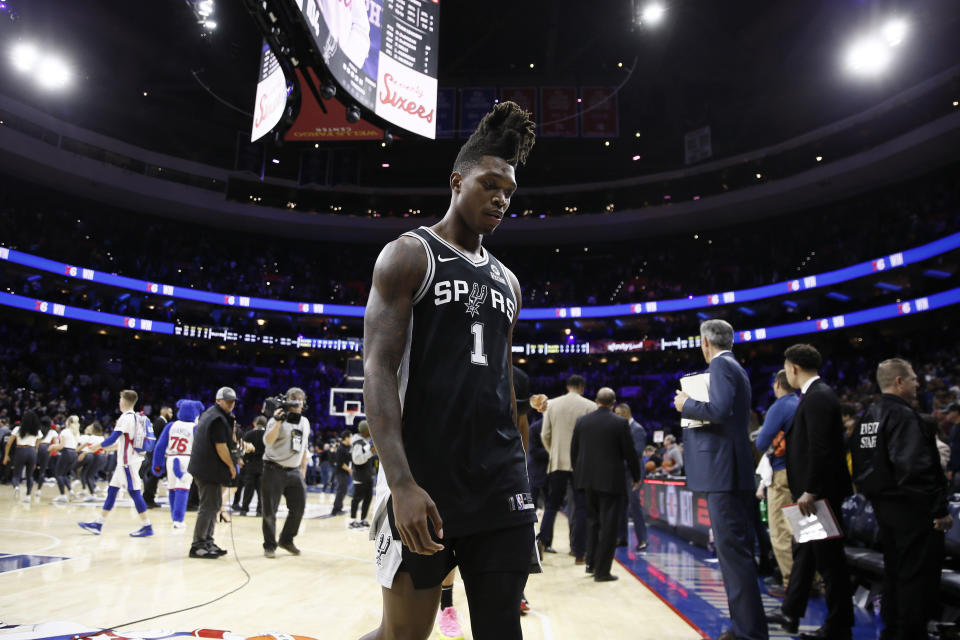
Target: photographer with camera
284	466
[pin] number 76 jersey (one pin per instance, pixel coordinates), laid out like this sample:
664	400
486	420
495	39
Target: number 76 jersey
180	441
459	433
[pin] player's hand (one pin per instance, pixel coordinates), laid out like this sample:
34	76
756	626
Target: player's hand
679	399
638	485
761	492
233	472
6	460
412	508
944	523
805	504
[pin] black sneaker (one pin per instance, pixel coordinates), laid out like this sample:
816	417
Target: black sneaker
290	548
203	552
217	550
364	523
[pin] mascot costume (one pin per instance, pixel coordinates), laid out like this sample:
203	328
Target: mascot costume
173	453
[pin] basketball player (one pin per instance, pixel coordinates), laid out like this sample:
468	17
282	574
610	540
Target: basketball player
439	398
127	474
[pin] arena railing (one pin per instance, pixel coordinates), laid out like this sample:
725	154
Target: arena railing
842	321
863	269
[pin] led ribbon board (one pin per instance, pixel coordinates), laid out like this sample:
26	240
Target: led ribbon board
829	278
865	316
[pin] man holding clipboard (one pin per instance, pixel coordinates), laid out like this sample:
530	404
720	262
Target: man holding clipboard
718	460
816	470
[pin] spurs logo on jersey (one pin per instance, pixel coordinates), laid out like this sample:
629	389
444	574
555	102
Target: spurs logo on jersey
447	291
477	296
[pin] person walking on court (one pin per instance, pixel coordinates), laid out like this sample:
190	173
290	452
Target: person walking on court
816	468
342	458
718	458
440	401
361	453
23	441
557	432
600	446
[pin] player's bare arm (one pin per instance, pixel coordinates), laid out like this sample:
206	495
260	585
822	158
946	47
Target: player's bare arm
397	275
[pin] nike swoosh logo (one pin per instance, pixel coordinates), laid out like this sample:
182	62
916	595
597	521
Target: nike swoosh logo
446	259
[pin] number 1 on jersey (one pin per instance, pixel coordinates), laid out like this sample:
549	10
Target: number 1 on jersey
477	356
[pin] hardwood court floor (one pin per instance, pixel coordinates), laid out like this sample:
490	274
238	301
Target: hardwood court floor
330	591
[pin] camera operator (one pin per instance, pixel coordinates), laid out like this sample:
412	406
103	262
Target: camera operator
284	467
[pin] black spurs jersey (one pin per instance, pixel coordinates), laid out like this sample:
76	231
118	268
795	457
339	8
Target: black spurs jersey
458	430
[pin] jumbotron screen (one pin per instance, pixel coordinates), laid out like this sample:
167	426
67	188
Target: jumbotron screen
383	53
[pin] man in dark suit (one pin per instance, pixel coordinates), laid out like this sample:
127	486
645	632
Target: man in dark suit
718	460
816	468
601	444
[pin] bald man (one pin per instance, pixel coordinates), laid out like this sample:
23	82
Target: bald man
601	444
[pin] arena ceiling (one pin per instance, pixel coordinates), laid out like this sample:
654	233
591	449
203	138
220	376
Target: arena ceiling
756	71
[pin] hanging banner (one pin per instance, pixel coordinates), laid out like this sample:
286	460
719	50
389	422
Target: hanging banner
475	102
447	113
558	112
599	113
313	125
697	145
526	97
271	95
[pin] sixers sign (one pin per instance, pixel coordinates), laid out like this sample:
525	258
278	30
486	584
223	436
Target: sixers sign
406	97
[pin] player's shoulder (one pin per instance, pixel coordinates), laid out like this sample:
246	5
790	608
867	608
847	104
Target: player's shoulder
404	258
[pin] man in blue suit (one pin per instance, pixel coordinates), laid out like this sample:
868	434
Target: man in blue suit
718	461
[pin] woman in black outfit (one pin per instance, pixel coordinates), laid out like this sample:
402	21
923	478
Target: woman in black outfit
23	441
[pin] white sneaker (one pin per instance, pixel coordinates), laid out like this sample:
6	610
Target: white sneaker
179	526
16	494
61	499
75	486
26	499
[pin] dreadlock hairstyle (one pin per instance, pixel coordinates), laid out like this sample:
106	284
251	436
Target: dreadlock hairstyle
506	132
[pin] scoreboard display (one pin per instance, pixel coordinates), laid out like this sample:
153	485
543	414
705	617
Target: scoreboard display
383	53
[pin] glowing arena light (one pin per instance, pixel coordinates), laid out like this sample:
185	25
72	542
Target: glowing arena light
652	14
894	31
205	8
210	25
53	73
24	56
868	56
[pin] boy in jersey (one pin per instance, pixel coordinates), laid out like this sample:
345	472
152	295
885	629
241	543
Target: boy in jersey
127	474
175	445
439	397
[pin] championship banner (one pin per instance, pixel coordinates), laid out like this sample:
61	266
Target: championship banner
599	112
271	95
313	125
558	112
475	102
447	113
526	97
697	145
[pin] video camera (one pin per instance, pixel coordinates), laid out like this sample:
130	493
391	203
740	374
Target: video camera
273	404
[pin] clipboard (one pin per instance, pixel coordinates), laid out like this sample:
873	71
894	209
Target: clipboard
697	386
822	525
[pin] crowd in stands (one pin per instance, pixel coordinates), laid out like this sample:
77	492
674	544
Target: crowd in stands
169	252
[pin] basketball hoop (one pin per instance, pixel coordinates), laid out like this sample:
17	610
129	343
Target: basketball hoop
349	415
